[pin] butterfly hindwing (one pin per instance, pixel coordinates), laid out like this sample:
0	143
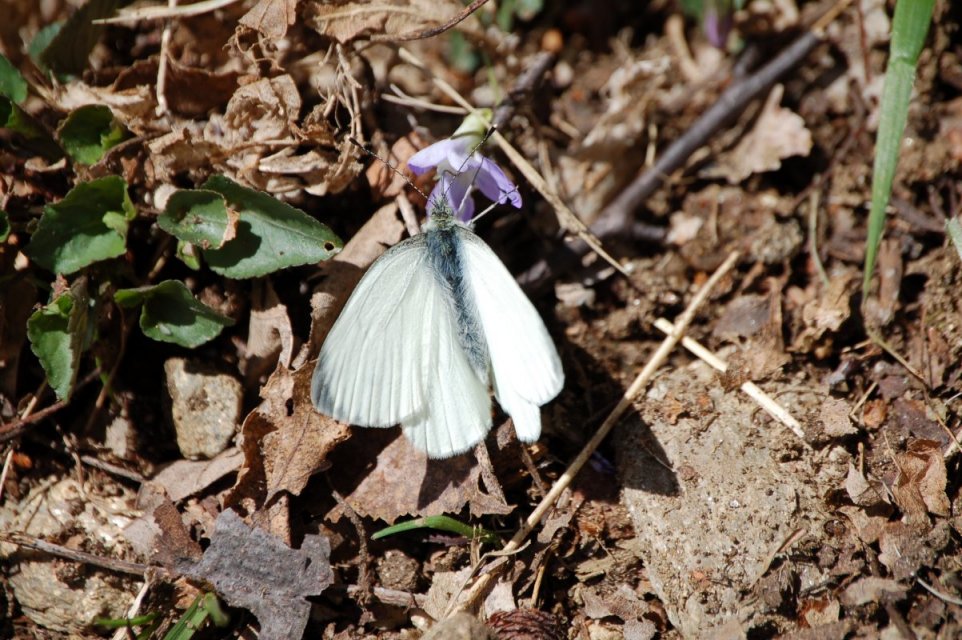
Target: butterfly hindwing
458	411
526	369
374	365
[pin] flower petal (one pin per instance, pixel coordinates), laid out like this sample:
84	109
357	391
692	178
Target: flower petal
431	156
496	186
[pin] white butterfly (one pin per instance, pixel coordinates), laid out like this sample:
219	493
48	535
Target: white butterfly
434	323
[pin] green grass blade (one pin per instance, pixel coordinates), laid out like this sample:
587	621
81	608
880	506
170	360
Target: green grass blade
909	28
439	523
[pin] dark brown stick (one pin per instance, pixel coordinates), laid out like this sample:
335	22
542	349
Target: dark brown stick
16	428
120	566
617	218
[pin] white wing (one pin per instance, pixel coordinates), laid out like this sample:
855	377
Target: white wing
458	411
525	367
374	365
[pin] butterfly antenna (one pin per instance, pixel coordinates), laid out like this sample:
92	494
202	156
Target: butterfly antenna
388	164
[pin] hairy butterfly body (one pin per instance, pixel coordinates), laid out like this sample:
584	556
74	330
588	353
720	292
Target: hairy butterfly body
434	324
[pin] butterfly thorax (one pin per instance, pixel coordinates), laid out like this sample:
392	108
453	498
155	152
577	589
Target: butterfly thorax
446	254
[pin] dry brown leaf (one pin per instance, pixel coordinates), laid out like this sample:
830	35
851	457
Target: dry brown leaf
283	447
191	92
906	547
133	107
834	416
301	444
350	20
920	485
271	17
185	478
825	312
182	151
384	180
779	133
871	589
270	337
404	482
867	527
258	112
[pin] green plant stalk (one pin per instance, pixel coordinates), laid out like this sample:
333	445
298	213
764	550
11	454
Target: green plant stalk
909	28
954	229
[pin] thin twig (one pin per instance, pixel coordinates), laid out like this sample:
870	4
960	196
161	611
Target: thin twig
162	12
393	597
625	403
938	594
134	608
752	390
113	469
16	428
7	460
813	237
112	564
161	109
403	99
364	557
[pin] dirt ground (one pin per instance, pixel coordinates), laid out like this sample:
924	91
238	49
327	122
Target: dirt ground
174	471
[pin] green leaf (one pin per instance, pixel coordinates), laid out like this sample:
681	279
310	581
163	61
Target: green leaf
12	84
57	334
188	254
88	132
4	226
461	53
909	28
171	313
70	48
35	137
271	235
198	217
88	225
41	41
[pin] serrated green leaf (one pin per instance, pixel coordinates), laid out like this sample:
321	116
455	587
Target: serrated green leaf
57	333
69	50
171	313
198	217
88	225
12	84
88	132
4	226
271	235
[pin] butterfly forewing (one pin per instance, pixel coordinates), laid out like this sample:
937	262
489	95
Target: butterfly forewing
374	365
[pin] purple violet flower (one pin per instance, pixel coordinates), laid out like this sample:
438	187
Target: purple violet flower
460	171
